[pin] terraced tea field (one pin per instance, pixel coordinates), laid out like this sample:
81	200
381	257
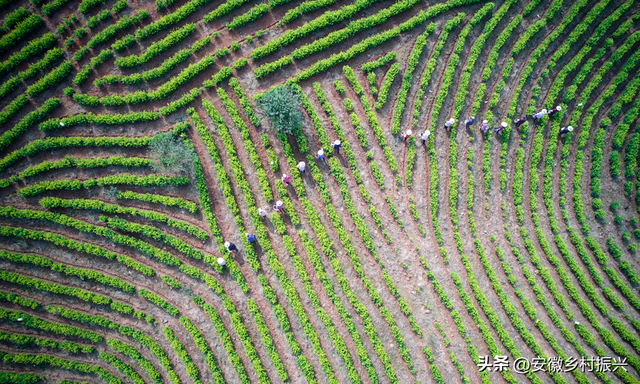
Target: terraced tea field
141	164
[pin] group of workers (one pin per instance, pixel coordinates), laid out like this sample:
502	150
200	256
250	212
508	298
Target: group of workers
336	145
485	124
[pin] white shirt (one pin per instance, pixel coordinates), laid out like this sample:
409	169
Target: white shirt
301	166
221	261
425	135
449	122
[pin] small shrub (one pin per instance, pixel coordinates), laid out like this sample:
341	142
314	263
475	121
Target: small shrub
169	154
618	219
79	32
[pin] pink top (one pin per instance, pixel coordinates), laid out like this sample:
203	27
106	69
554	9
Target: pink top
286	178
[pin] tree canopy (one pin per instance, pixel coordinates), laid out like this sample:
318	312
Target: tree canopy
281	106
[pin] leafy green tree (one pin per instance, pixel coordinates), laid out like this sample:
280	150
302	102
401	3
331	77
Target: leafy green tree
281	106
170	155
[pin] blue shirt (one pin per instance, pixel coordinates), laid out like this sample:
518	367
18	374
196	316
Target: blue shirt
251	238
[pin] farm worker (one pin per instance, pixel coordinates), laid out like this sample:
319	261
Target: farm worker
425	136
250	237
230	246
485	126
540	114
519	122
555	110
320	155
406	134
262	212
20	319
221	261
61	124
285	178
566	130
501	127
279	206
449	122
336	146
469	122
301	166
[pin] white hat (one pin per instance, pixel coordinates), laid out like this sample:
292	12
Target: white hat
227	244
61	124
337	142
485	121
221	261
559	108
409	132
279	203
544	110
452	120
321	152
504	124
570	128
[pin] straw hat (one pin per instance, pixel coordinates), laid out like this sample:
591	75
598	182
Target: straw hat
221	261
409	132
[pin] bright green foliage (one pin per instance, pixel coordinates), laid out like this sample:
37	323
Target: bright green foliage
251	15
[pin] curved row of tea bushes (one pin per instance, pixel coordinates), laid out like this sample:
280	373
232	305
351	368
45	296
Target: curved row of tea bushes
156	48
23	358
55	202
82	273
133	334
75	184
122	367
160	199
20	31
33	48
304	7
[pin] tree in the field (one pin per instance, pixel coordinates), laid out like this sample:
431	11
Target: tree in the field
281	106
170	155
